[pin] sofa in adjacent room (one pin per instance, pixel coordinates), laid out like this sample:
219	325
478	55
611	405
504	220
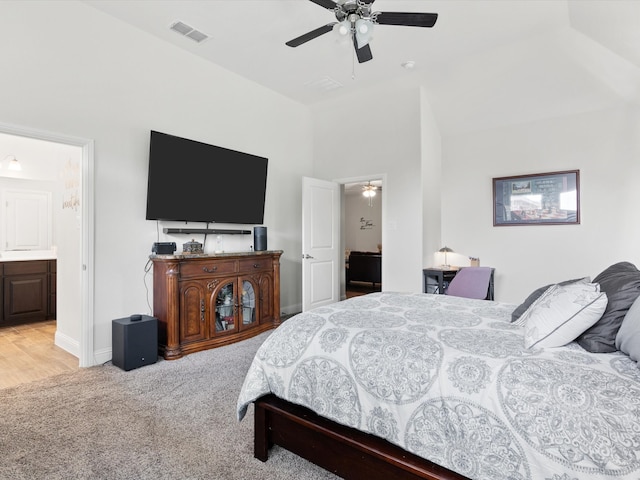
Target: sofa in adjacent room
364	267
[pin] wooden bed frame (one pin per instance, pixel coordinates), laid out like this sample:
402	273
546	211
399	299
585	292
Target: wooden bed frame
349	453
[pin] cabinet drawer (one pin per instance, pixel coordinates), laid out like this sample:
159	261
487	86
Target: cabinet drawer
26	267
200	269
257	264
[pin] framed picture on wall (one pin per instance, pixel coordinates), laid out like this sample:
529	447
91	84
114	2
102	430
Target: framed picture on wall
541	199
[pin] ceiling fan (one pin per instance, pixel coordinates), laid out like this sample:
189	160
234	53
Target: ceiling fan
355	18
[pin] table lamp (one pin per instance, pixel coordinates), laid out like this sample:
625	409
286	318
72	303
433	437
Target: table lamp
445	250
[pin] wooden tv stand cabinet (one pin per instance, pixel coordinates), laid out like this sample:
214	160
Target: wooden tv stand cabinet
206	301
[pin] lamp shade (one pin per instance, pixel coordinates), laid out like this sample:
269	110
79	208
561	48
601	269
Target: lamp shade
364	29
342	28
445	250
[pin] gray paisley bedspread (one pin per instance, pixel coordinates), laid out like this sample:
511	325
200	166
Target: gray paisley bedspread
449	379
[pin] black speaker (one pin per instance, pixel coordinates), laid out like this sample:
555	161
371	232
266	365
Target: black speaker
259	239
163	248
134	341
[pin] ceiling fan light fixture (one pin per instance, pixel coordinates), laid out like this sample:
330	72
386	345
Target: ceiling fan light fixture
364	30
342	28
355	18
369	190
364	26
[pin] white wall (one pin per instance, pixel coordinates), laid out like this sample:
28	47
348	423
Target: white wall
604	145
78	72
431	182
68	227
363	223
384	140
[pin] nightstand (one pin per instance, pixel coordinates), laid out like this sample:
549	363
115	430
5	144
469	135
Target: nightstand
436	279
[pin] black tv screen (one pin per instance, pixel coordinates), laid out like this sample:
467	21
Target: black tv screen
197	182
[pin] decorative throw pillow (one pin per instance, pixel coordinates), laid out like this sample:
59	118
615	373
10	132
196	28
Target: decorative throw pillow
628	337
562	313
520	309
621	283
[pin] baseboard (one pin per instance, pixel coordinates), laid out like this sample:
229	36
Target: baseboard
291	309
67	343
72	346
102	356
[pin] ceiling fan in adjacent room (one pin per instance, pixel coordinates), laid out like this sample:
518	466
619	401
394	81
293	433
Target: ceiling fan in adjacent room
355	19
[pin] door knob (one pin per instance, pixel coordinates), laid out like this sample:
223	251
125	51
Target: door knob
306	256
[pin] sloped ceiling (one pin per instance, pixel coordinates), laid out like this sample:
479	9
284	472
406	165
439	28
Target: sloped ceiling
485	63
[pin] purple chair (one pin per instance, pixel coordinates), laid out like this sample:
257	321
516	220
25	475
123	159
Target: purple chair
472	282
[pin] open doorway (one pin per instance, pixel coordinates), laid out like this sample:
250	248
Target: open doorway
325	254
362	237
59	166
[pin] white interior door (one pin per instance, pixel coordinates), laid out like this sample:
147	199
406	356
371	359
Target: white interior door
320	243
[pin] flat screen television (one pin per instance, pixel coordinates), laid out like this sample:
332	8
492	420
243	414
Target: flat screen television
195	182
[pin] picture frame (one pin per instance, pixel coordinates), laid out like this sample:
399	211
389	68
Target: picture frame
539	199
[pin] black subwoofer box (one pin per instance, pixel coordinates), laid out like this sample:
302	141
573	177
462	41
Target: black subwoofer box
134	341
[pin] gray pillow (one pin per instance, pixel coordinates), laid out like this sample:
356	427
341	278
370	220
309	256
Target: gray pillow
621	283
628	337
524	306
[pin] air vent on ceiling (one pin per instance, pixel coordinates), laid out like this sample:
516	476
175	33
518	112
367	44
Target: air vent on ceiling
188	31
325	84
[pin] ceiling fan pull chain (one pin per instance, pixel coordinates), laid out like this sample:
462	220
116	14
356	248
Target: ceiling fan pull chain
353	64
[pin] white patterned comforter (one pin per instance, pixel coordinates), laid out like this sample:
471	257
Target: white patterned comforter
449	379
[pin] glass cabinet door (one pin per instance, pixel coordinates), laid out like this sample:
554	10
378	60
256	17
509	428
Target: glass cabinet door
248	303
225	315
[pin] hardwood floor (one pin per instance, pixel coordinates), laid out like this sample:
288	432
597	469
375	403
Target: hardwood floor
355	289
27	353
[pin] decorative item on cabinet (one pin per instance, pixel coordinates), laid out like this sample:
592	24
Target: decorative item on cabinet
192	247
212	300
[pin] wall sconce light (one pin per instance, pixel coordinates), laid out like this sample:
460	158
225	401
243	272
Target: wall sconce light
14	164
445	250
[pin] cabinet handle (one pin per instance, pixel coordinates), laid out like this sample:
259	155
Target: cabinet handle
209	270
202	310
256	265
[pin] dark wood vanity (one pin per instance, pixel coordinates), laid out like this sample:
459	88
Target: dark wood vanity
28	291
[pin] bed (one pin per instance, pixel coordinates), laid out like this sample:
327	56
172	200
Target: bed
397	385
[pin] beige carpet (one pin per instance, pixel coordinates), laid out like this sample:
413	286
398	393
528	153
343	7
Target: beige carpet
171	420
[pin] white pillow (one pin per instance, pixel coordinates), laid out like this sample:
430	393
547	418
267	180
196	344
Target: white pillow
561	314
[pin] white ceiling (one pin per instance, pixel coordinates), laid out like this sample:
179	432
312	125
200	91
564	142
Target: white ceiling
571	55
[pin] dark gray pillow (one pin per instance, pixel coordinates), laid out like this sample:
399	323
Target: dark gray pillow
621	283
524	306
628	337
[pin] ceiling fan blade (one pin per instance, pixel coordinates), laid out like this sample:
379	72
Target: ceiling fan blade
406	19
364	54
328	4
311	35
